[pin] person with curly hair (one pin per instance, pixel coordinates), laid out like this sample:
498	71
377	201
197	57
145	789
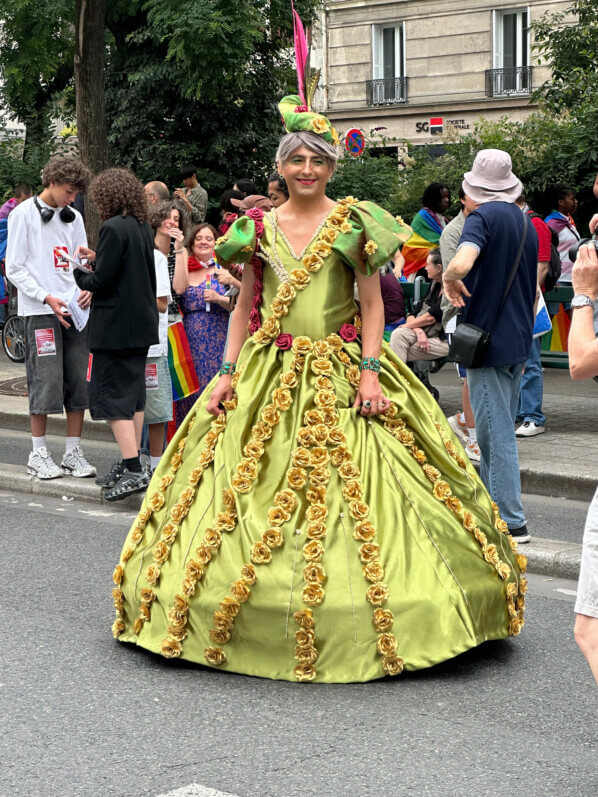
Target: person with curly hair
171	223
43	232
123	321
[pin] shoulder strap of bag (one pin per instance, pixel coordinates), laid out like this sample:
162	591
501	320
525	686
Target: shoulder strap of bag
514	269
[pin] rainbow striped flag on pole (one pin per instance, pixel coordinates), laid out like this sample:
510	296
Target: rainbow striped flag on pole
180	363
426	235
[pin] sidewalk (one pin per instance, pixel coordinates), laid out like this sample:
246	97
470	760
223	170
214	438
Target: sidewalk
563	462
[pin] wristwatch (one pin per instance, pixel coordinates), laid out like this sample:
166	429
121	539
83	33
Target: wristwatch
582	300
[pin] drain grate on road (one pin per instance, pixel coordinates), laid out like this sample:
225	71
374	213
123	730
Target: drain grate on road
14	387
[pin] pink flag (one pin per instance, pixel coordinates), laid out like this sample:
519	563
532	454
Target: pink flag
301	53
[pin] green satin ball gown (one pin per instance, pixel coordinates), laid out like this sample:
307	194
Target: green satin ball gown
292	538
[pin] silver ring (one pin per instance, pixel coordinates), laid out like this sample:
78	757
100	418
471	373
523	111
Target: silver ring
367	404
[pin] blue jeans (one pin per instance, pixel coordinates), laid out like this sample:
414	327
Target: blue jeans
494	394
532	388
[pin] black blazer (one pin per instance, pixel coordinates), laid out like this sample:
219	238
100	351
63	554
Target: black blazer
123	314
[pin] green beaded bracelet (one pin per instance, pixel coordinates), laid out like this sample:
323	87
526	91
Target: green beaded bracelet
227	368
370	364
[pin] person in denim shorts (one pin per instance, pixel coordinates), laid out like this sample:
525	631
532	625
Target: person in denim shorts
583	364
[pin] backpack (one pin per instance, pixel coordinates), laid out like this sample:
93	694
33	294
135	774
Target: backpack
554	265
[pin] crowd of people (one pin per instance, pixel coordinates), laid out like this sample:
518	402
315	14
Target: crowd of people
99	321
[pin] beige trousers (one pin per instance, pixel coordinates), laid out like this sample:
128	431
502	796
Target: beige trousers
403	343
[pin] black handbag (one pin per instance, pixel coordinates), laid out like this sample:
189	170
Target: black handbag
469	344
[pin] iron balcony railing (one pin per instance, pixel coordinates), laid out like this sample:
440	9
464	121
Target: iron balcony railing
387	91
512	81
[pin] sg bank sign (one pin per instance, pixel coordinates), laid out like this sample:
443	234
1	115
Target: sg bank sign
435	125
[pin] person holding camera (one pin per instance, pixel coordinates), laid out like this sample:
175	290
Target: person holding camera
123	321
583	364
492	280
43	235
193	196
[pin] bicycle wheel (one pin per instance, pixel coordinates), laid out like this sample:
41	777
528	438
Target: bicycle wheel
13	338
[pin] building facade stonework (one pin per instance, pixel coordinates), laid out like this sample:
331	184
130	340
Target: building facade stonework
421	67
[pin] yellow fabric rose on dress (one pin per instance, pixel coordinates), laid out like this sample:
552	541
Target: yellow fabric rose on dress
195	477
316	530
312	595
152	574
289	379
322	348
160	552
312	417
480	536
260	553
325	399
370	248
298	364
323	383
194	569
281	397
364	531
419	455
521	562
305	437
157	501
319	124
314	573
432	473
230	607
215	656
306	653
369	551
502	526
319	476
386	644
312	263
301	457
454	504
188	586
118	596
165	482
187	496
321	366
377	594
241	483
359	510
299	278
248	468
277	516
352	490
261	431
171	648
286	500
451	448
220	637
240	590
279	308
393	665
270	415
178	634
304	618
144	612
136	535
176	461
138	625
336	436
296	477
305	671
118	575
127	553
117	628
353	375
147	595
318	456
262	337
224	521
373	571
271	327
203	553
316	494
223	621
304	637
441	490
319	434
469	521
169	533
313	551
383	620
301	345
347	469
273	538
249	574
523	585
179	512
503	570
143	517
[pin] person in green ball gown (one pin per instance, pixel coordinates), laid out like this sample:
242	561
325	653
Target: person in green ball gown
315	518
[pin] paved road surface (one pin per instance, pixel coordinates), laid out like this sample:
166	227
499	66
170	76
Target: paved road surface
84	715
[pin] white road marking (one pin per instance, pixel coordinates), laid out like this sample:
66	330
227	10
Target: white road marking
567	591
197	790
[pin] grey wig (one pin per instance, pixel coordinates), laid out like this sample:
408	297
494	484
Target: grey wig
293	141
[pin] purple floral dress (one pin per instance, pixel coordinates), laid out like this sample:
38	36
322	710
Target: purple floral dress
206	333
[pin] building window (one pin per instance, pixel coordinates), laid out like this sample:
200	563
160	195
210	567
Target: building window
511	73
389	84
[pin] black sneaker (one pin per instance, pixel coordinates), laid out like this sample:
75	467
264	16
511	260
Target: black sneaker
520	535
128	484
113	475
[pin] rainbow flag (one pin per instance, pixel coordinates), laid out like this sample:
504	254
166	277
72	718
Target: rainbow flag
558	339
426	235
180	363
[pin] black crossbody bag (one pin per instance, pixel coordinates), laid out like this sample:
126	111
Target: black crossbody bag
469	343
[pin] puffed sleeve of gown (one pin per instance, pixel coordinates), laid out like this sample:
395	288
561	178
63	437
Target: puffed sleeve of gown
373	240
238	244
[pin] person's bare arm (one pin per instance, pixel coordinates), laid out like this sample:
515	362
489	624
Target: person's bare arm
595	189
583	345
423	320
162	302
372	332
457	270
236	338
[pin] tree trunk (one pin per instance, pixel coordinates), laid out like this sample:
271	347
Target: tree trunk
90	16
37	134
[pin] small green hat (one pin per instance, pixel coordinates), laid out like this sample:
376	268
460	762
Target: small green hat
297	118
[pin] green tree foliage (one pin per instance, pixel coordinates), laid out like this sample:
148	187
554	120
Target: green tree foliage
36	64
198	81
571	50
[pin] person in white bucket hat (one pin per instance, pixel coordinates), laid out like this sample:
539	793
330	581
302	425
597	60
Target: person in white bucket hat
475	282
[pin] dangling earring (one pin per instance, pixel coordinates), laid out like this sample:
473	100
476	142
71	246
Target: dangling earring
280	177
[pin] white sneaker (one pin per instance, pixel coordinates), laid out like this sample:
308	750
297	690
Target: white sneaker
42	465
530	429
458	427
75	464
472	450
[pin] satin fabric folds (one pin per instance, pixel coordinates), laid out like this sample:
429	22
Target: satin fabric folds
294	539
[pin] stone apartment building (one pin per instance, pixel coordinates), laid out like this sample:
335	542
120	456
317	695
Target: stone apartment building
420	67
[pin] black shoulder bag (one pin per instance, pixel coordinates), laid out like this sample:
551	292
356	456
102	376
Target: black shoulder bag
469	343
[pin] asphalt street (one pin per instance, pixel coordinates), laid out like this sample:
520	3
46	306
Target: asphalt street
85	715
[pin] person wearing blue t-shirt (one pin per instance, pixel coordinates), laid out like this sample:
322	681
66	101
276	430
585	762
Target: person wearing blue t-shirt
474	282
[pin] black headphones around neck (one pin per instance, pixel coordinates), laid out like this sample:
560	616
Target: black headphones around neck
67	215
